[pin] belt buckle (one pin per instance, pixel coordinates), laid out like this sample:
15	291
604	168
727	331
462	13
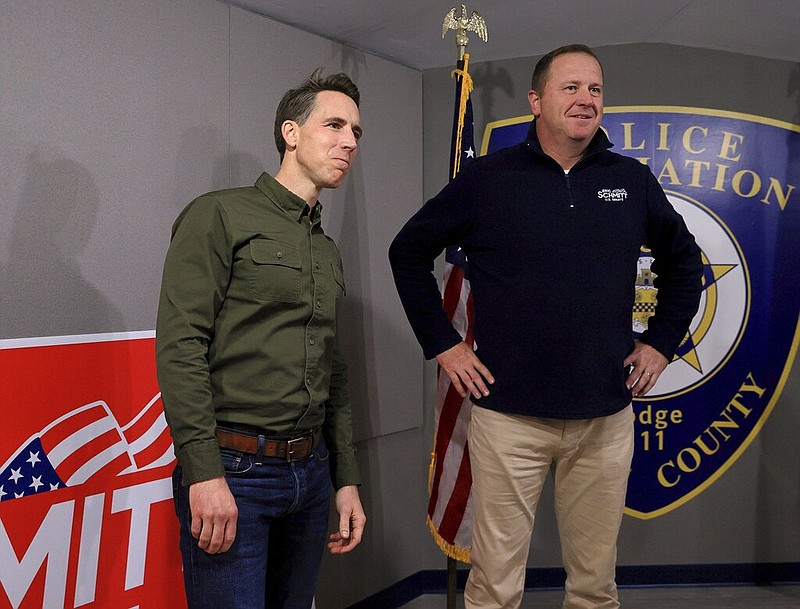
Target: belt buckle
290	447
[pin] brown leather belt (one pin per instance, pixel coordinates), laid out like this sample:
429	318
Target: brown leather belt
291	449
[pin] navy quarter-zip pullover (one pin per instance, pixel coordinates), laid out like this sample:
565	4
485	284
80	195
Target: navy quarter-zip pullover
552	260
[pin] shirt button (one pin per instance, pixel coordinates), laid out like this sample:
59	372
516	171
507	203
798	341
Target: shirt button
311	341
279	255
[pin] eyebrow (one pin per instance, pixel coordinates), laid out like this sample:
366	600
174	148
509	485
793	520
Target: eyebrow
574	82
578	81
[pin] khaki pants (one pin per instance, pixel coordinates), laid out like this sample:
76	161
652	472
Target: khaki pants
511	456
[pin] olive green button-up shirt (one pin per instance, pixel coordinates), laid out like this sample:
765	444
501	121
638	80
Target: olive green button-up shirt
246	331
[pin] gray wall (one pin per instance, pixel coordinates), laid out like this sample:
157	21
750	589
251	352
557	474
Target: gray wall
751	513
114	114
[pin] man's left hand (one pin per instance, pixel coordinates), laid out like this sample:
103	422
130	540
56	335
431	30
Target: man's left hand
351	521
647	365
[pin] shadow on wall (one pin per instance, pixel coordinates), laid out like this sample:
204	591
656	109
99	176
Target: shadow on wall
356	316
490	82
44	292
352	60
197	170
243	169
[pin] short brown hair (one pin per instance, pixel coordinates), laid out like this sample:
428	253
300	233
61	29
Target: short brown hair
542	70
297	104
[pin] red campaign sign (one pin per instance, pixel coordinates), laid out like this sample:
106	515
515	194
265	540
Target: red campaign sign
86	513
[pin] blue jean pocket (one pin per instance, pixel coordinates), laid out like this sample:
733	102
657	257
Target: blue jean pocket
320	452
235	462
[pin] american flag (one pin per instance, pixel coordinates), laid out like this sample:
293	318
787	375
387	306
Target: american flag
85	443
450	479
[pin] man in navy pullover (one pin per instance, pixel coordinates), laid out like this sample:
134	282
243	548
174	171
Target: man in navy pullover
552	266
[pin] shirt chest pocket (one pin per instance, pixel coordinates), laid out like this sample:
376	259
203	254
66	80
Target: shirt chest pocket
275	271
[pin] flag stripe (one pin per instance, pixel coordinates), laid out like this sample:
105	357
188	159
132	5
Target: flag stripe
89	458
71	423
151	462
470	314
113	460
444	433
145	419
149	440
150	435
453	287
156	453
453	515
93	433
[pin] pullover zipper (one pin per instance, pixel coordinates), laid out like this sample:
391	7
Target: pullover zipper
592	152
569	190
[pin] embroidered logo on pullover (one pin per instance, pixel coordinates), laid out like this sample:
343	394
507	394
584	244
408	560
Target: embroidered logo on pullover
618	194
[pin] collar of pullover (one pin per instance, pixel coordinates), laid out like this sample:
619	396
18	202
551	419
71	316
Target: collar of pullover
599	142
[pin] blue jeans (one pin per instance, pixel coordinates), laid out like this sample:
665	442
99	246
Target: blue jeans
280	535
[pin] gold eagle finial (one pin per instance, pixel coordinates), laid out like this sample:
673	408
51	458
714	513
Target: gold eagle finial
463	24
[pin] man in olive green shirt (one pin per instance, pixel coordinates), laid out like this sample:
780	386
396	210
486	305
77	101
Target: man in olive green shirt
253	382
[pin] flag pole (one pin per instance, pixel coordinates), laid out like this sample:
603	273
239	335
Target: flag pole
452	582
462	115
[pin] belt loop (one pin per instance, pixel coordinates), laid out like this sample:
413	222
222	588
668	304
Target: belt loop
260	450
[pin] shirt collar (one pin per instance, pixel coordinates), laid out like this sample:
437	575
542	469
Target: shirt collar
292	205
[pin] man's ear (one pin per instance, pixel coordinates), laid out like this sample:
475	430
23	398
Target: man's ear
289	132
534	102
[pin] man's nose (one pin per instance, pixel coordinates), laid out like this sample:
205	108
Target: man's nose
584	96
349	140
